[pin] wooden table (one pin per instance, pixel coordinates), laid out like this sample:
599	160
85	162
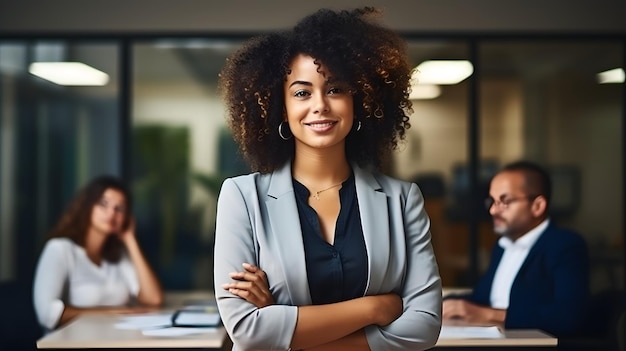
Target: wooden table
98	331
513	339
452	290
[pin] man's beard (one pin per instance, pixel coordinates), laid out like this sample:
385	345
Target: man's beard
501	229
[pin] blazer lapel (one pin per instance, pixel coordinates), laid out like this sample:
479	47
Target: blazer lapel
372	202
285	224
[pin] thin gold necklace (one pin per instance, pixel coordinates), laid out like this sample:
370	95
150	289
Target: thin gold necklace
317	193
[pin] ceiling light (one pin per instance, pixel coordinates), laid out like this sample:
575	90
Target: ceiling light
194	44
442	71
69	73
424	92
611	76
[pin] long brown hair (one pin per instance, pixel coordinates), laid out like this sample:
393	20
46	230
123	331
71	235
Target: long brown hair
76	219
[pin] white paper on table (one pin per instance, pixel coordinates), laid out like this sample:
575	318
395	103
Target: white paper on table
145	321
462	332
176	331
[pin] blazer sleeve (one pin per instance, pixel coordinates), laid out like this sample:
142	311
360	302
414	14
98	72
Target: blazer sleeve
238	220
562	308
419	325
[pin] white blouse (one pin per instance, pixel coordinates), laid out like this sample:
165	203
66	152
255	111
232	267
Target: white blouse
66	275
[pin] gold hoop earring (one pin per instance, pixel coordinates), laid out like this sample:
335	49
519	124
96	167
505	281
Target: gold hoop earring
280	132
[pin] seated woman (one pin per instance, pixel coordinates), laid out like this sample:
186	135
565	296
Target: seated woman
92	261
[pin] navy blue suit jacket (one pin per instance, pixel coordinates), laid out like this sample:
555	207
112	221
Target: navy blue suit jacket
551	290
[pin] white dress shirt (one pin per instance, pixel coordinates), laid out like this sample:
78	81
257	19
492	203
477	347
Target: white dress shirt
65	274
514	255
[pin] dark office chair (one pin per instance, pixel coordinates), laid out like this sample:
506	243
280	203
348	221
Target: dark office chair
19	329
431	184
602	324
621	332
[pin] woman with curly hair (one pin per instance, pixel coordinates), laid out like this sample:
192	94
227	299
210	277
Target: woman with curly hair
317	249
92	261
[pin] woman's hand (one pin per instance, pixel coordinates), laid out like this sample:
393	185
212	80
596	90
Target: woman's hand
251	285
128	233
386	308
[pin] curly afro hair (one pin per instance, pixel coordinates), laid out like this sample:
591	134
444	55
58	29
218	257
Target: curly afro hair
370	58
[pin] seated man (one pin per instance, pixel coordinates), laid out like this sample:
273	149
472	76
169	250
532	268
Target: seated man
538	276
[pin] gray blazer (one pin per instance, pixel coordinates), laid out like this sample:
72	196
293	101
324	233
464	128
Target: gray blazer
258	223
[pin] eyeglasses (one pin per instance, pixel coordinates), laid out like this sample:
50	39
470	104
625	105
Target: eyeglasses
504	204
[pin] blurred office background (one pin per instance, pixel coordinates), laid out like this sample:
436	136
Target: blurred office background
532	91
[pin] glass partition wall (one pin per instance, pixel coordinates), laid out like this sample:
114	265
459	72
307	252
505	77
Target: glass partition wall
436	150
536	99
181	152
56	134
547	101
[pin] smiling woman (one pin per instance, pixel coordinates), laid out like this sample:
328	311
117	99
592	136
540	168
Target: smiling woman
319	110
533	94
319	241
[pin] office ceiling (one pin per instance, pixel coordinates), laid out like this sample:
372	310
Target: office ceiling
200	60
154	62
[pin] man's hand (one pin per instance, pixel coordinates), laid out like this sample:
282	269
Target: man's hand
472	313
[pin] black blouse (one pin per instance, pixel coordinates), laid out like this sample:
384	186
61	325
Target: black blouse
335	272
